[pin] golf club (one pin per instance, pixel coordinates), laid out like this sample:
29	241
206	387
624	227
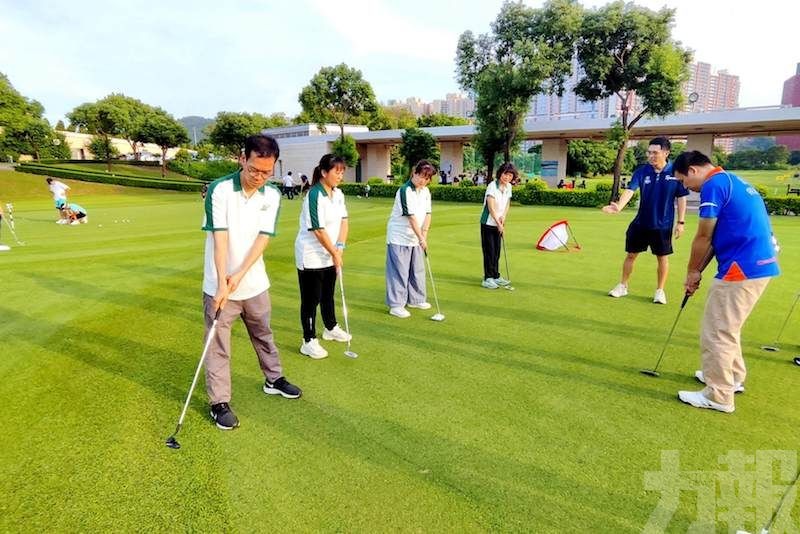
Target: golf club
768	526
654	370
438	316
349	353
171	442
509	287
797	360
774	347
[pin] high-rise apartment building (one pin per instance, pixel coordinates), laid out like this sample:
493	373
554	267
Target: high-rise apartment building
791	97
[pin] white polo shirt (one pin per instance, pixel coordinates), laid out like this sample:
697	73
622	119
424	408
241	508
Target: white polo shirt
288	181
407	201
227	208
59	190
320	211
502	197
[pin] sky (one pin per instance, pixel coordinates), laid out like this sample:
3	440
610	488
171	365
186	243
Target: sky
201	57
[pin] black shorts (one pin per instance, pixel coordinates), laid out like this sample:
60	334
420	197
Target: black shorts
637	239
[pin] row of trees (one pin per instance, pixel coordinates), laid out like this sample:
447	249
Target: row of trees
622	49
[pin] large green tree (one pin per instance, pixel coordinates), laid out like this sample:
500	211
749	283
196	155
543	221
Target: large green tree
23	129
627	51
230	129
104	119
337	94
416	145
161	128
528	52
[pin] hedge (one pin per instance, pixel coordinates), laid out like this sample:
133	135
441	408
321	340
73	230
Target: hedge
107	178
133	162
783	205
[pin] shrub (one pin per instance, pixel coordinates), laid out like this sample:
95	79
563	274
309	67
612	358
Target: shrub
375	181
182	155
345	147
107	178
204	170
466	183
537	184
762	190
783	205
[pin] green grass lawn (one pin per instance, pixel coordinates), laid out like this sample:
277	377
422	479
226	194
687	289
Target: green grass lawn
129	170
523	411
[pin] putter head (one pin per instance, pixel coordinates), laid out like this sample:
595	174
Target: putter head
770	348
508	288
797	360
172	443
350	354
650	372
437	317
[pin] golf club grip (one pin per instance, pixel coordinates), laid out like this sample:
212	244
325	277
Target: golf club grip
685	299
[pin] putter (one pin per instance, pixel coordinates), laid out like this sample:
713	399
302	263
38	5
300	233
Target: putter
349	353
775	347
171	442
438	316
509	287
797	360
654	370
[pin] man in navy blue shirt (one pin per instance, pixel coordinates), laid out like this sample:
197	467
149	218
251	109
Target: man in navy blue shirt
653	225
734	224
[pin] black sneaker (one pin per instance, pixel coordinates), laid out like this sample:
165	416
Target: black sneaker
283	388
222	414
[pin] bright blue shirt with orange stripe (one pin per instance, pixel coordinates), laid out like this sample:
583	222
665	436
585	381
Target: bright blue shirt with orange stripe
742	238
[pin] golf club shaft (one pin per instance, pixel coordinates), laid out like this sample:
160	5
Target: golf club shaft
13	233
672	330
209	338
786	321
344	307
505	256
780	503
433	284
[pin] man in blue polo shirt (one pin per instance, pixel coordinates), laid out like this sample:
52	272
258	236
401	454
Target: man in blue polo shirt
653	225
734	225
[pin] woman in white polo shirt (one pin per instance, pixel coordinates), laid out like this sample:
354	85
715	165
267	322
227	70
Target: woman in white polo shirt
318	254
496	203
406	238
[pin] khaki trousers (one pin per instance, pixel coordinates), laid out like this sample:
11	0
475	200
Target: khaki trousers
727	308
255	312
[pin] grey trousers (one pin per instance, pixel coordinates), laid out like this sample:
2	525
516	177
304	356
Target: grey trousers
255	313
405	276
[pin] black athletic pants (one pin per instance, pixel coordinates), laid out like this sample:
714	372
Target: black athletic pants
317	287
490	243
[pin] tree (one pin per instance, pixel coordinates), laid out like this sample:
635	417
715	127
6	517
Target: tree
161	128
60	125
336	94
104	119
230	129
345	148
794	157
440	119
590	157
101	149
418	144
528	53
23	129
389	118
626	51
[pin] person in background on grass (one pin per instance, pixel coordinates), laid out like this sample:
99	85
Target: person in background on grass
653	225
241	214
59	191
288	185
496	203
318	251
74	213
406	238
734	226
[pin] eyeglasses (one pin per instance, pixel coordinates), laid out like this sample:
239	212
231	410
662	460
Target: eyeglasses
255	173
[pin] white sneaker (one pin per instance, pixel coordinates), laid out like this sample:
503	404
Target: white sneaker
336	334
660	297
399	311
313	349
421	306
489	283
501	281
62	221
75	222
698	400
737	388
620	290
